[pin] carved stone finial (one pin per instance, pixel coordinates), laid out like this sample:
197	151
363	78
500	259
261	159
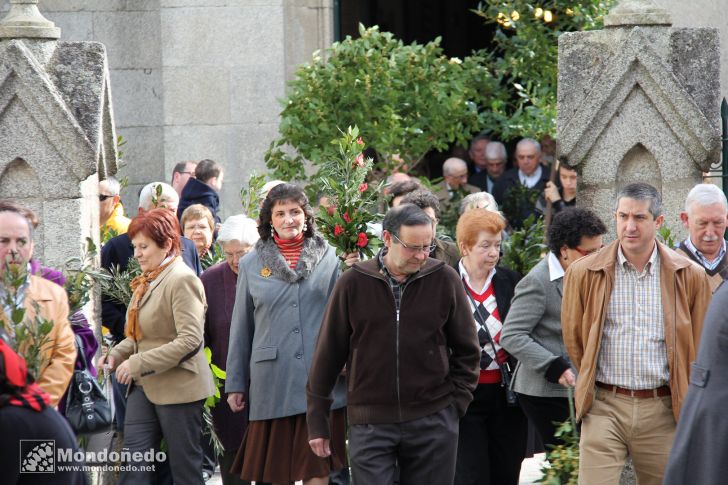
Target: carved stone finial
637	12
24	21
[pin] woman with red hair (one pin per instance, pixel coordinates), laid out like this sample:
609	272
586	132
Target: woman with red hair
492	439
162	358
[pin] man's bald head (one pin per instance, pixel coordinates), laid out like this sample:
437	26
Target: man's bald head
455	172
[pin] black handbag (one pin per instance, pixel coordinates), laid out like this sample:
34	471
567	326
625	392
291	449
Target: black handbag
88	407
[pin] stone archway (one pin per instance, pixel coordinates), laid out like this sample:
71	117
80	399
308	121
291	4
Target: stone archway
639	165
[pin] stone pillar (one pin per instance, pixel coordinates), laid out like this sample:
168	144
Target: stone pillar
639	101
56	127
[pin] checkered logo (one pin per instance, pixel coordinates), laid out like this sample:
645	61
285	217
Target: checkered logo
37	456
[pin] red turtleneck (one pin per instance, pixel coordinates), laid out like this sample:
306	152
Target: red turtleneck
290	248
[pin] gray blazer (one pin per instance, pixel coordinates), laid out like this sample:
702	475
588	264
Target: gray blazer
275	324
532	333
699	449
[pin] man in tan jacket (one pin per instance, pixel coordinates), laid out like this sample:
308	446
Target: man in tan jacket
631	318
16	247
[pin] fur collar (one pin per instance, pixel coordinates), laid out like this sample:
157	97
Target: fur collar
313	250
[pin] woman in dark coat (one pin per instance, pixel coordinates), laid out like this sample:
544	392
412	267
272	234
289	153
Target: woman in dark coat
237	237
700	447
492	439
27	425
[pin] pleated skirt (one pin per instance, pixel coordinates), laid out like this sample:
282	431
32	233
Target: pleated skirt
277	450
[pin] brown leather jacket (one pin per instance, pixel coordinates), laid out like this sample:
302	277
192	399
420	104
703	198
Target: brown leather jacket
587	289
60	351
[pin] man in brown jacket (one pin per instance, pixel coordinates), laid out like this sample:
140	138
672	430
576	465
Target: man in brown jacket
59	353
402	325
631	317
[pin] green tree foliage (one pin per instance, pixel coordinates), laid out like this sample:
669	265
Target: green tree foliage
525	248
525	58
405	99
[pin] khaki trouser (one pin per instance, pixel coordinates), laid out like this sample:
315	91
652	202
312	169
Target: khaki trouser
618	425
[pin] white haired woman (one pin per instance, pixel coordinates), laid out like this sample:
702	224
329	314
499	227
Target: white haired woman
478	200
237	236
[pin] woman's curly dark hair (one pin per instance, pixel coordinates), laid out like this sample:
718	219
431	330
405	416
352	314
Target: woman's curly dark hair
285	193
570	225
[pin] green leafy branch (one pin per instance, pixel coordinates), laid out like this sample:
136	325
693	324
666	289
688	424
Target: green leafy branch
218	378
352	202
81	274
212	256
562	465
29	336
250	195
116	284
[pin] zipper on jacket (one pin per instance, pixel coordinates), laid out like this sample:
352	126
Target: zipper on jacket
397	308
399	399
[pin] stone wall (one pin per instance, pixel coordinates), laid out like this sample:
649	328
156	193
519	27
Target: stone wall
639	101
196	79
703	13
55	112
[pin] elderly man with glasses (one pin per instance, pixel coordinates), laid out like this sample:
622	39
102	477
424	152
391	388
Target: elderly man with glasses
402	325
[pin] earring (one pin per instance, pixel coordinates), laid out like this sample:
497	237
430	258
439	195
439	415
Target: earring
305	227
272	231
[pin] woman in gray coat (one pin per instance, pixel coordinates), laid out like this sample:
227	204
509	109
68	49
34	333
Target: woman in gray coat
532	330
283	286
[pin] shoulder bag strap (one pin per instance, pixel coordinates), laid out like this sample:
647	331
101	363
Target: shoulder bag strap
481	320
81	351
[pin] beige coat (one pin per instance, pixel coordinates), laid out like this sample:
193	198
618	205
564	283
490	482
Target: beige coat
169	361
60	352
587	290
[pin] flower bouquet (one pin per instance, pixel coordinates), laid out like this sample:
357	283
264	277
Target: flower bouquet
351	202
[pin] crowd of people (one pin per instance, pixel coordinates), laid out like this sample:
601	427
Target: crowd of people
428	363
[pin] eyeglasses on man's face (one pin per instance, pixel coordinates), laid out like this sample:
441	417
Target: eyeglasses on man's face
587	252
103	197
415	249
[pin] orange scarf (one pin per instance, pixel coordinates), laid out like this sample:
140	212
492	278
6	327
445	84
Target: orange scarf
139	286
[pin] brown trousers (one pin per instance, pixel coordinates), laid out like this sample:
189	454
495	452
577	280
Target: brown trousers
618	425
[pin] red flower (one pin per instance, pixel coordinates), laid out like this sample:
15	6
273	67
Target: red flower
360	160
347	217
338	230
360	141
363	187
362	240
331	209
